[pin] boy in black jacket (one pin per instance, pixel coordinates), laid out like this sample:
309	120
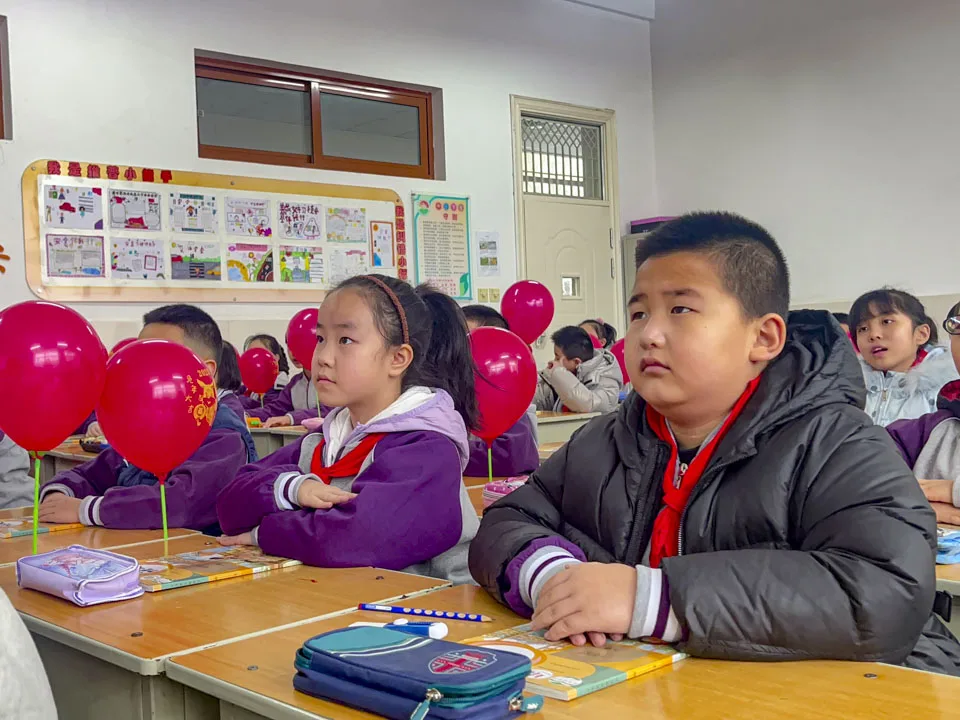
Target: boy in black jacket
740	502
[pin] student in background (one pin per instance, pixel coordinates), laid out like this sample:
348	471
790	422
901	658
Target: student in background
24	688
110	492
228	380
272	346
740	503
580	378
396	364
516	452
296	402
844	320
16	475
903	367
931	444
605	334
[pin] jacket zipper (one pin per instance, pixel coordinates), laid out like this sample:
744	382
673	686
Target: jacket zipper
637	534
697	491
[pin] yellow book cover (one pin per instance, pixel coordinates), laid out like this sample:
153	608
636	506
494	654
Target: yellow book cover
21	527
565	672
208	565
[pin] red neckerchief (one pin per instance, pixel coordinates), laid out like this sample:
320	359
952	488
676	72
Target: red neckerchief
921	355
348	465
951	391
677	487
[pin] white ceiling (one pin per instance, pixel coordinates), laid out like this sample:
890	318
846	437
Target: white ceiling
643	9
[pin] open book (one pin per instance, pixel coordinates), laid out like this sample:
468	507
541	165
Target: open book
207	565
20	527
566	672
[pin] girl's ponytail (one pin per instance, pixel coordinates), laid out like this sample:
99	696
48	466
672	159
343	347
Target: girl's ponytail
449	362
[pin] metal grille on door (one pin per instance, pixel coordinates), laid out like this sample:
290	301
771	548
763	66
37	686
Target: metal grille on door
561	158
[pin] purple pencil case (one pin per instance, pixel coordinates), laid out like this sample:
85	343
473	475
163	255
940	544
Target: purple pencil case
81	575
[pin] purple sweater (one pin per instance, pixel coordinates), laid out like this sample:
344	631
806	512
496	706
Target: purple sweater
410	506
291	401
913	436
191	488
514	453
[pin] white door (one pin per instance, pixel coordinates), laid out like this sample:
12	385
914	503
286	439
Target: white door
567	217
568	250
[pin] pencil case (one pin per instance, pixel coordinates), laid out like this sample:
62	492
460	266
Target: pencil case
81	575
497	489
400	676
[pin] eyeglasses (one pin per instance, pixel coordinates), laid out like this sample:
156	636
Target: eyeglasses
952	325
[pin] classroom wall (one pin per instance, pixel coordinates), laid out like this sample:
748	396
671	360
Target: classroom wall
112	81
833	122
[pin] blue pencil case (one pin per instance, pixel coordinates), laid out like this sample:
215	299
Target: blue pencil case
399	675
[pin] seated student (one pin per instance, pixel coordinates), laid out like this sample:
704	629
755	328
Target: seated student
16	475
903	367
382	485
739	503
603	335
931	444
516	452
271	345
24	688
228	380
580	378
296	403
109	491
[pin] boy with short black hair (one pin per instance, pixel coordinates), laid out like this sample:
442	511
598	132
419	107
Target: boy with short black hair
110	492
580	378
517	451
740	502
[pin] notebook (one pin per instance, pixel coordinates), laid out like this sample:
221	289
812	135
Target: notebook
207	565
948	546
565	672
20	527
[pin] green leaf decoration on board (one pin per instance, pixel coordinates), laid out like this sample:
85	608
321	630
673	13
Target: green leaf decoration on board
465	285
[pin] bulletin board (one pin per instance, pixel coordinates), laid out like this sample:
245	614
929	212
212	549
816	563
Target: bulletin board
112	233
441	239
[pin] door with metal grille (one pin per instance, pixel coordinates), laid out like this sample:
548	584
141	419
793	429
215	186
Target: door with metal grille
567	228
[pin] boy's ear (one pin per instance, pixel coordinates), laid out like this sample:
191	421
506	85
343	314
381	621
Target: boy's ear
770	339
400	359
921	336
212	367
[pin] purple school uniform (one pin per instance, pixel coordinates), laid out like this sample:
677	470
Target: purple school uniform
412	511
191	489
515	452
292	401
253	403
231	401
82	430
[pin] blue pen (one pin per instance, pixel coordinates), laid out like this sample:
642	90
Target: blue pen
433	630
419	612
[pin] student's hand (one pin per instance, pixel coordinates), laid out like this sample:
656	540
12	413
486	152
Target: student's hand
320	496
94	430
279	421
587	600
60	508
947	514
241	539
938	491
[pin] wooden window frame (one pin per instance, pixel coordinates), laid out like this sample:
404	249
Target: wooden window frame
315	85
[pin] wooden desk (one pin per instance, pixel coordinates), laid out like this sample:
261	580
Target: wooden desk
556	427
13	549
114	647
289	435
257	676
479	481
548	449
66	456
266	441
476	497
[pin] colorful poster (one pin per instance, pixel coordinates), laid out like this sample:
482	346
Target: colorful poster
249	263
134	210
248	216
381	243
489	244
300	264
441	234
73	207
194	260
300	221
347	262
137	258
72	256
347	225
193	212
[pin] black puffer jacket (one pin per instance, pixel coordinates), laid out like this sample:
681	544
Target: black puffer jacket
806	537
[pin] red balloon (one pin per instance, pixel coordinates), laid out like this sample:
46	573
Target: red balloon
617	350
121	345
302	336
528	308
597	342
158	404
52	366
259	370
505	379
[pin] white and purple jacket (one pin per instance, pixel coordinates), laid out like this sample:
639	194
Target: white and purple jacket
412	511
298	400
